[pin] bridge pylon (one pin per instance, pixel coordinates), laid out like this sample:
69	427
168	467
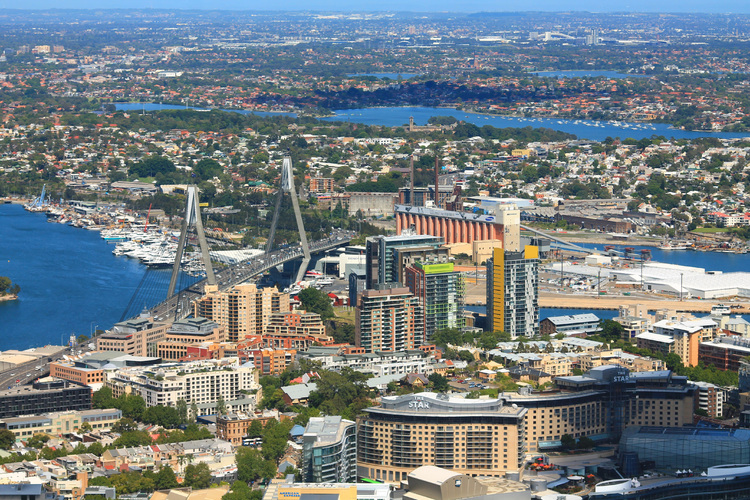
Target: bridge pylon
287	186
192	219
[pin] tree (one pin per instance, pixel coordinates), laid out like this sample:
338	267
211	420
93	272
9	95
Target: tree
7	287
165	479
96	448
124	425
316	301
439	382
7	438
182	411
164	416
131	405
275	437
207	169
198	476
255	430
585	443
221	406
251	465
568	442
38	440
241	491
133	438
103	399
611	330
152	166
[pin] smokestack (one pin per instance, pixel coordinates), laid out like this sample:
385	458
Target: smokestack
437	178
411	193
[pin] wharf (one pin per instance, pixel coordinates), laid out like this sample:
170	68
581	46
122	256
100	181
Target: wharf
563	301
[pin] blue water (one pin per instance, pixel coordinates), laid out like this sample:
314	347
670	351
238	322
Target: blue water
710	261
392	76
592	73
399	116
546	312
584	129
70	281
152	106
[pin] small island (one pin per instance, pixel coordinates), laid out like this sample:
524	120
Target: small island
8	290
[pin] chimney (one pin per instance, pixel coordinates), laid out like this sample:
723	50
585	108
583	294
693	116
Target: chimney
437	178
411	193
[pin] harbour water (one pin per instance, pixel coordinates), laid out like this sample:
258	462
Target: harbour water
583	129
586	73
399	116
710	261
382	76
70	281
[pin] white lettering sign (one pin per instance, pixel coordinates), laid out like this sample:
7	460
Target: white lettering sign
419	405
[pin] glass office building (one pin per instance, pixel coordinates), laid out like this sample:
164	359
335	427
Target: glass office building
670	448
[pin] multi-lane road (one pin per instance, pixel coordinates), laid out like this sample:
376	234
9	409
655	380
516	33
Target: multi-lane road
179	305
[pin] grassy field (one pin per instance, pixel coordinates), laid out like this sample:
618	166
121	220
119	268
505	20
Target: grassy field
711	230
344	314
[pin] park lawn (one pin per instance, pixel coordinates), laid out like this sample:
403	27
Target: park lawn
711	230
344	314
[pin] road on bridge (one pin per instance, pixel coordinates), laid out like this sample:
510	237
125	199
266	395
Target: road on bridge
178	306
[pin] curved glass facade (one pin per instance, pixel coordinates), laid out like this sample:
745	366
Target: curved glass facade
687	447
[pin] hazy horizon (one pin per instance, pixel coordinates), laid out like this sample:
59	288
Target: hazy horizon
635	6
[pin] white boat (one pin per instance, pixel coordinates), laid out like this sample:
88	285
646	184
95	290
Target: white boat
720	310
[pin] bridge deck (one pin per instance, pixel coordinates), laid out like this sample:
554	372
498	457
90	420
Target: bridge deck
178	305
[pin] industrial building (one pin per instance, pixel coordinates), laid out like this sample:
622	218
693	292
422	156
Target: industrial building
684	281
463	227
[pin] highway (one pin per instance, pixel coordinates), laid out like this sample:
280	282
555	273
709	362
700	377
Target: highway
179	305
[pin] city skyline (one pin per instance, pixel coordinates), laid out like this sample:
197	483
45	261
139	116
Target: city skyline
665	6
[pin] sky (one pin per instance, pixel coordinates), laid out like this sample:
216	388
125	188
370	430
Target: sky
712	6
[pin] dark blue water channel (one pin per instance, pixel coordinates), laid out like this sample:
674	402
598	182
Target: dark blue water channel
399	116
70	281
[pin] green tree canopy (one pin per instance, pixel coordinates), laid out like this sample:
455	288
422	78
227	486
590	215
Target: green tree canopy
198	476
151	166
251	465
207	169
317	301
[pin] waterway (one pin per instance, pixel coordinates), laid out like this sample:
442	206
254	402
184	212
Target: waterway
586	73
145	107
70	281
710	261
546	312
72	284
583	129
399	116
391	76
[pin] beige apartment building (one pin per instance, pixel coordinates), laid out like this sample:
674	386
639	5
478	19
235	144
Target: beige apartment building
490	437
188	332
137	337
469	436
295	330
200	382
244	310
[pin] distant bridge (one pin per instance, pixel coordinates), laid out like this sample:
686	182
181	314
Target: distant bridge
178	306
